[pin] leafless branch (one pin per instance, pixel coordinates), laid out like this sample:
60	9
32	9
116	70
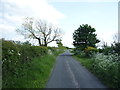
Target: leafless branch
44	32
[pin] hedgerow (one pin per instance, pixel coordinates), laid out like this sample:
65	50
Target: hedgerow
15	57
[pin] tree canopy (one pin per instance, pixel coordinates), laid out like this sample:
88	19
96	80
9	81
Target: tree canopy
85	36
59	43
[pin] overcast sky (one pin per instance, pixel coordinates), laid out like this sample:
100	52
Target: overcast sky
67	14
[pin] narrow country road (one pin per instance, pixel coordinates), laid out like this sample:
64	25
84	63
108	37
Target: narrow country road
69	73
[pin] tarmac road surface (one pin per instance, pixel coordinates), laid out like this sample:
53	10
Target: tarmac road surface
69	73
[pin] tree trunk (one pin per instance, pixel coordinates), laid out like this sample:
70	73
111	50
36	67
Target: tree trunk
45	42
39	42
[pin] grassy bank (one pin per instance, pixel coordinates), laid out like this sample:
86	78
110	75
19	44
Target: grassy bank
26	66
108	76
35	75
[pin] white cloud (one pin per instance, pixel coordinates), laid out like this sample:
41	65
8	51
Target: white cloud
32	8
12	13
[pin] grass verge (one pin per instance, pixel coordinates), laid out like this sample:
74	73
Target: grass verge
87	62
35	74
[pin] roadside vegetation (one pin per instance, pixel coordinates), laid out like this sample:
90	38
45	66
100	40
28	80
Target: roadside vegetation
105	67
28	66
25	65
104	63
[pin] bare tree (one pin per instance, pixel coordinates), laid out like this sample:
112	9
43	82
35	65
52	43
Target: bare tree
40	30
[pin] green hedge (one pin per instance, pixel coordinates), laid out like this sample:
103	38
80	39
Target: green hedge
16	56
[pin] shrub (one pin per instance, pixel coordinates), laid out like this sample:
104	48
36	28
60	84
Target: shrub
107	50
116	48
10	56
14	56
89	51
106	67
100	50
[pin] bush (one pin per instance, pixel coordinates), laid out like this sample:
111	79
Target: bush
10	57
89	51
116	48
14	56
107	50
106	67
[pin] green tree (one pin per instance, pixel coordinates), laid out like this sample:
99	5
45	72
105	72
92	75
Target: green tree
59	43
85	37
